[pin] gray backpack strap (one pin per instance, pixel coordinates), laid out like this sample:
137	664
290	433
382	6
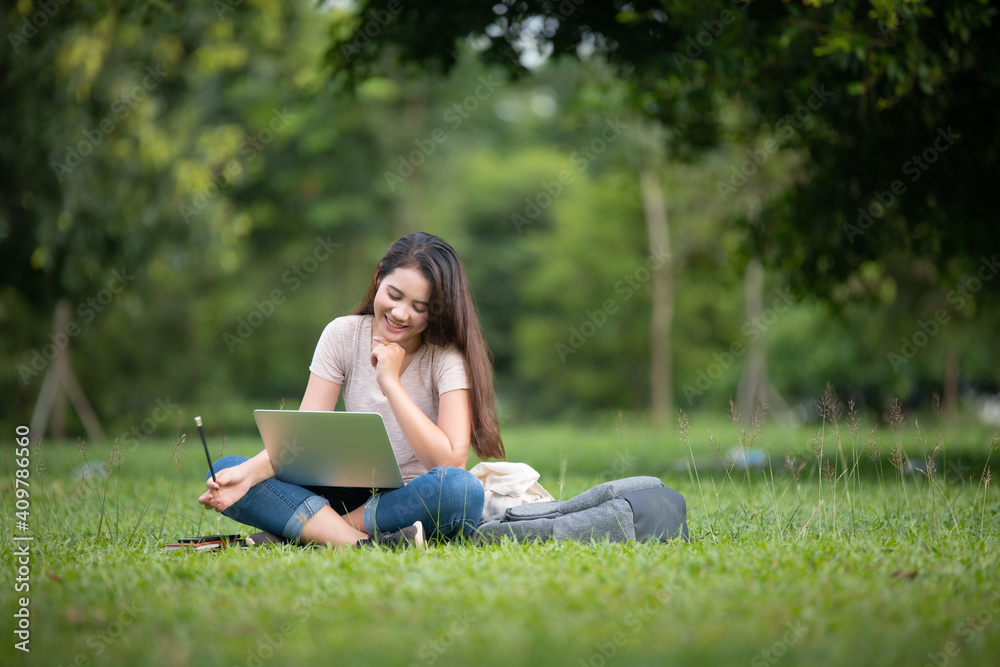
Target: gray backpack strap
545	509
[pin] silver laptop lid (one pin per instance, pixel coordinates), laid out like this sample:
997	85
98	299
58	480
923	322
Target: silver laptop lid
329	448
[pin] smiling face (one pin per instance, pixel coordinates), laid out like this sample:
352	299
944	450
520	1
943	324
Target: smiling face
401	308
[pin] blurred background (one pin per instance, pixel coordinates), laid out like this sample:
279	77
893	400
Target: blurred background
660	206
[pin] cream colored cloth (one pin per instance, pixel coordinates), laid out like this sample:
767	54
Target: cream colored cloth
508	484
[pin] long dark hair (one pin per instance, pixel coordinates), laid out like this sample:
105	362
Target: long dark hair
451	319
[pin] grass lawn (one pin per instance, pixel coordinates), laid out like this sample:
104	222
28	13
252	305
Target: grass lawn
855	561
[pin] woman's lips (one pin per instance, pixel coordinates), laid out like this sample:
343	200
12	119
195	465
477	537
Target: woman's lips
390	327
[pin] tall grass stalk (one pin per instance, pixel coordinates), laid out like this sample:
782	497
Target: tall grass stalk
178	443
986	477
828	412
107	480
873	443
117	459
45	501
179	456
727	464
854	423
4	521
897	457
749	441
742	452
684	431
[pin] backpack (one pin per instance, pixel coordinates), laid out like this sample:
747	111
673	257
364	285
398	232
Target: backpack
633	508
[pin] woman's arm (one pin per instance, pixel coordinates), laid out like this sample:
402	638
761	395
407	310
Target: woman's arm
443	444
321	395
233	483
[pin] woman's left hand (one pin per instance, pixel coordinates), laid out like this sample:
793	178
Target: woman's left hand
387	360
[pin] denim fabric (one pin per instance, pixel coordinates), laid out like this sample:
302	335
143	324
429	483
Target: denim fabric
277	507
448	501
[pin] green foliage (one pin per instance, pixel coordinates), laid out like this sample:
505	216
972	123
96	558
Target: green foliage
232	276
898	94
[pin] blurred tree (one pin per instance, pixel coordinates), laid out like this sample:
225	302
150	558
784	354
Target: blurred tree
191	178
903	83
150	151
907	85
658	234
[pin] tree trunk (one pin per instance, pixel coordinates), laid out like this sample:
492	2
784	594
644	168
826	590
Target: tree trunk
60	382
411	204
661	322
951	375
753	381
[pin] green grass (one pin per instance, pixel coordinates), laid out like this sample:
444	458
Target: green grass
866	564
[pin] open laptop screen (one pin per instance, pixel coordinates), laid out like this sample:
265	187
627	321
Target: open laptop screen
329	449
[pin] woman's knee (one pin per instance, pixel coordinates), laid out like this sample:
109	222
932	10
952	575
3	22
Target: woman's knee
461	493
225	462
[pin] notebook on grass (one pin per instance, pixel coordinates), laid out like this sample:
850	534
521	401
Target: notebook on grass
349	449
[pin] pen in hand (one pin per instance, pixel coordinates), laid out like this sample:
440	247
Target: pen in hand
197	420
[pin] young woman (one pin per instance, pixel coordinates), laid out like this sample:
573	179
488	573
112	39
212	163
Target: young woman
414	353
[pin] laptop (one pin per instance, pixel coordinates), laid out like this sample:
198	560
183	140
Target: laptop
329	449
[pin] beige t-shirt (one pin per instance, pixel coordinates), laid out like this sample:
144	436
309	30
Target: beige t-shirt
343	356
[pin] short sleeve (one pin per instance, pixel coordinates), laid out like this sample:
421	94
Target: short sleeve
331	358
449	371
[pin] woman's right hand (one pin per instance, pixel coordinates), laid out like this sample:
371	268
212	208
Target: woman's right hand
229	486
